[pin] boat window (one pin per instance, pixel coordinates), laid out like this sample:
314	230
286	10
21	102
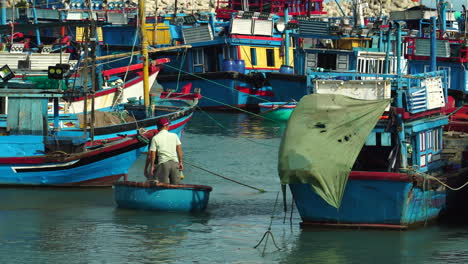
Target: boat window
447	79
197	56
253	56
436	138
198	60
270	56
326	61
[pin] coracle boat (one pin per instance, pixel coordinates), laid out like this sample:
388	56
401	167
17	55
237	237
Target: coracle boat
280	111
161	196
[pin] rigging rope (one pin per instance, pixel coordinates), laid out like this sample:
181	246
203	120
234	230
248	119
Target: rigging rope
268	233
217	83
224	177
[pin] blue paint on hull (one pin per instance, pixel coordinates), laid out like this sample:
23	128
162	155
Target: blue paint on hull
161	199
111	166
377	202
287	90
222	93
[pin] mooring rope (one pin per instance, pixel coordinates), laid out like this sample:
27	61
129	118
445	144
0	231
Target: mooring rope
242	110
224	177
268	233
217	83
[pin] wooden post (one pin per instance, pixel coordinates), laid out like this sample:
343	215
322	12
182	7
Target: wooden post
144	51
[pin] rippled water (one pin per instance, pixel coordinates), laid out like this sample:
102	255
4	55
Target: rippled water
84	226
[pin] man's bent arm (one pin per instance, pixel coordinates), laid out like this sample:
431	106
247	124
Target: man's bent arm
180	156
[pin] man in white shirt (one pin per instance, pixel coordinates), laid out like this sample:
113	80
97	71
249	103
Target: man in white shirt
166	147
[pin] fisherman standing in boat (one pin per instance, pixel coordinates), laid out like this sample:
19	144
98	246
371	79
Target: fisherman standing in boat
166	151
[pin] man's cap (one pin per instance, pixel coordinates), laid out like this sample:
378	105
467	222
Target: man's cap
162	122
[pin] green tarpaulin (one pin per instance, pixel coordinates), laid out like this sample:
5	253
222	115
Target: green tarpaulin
323	139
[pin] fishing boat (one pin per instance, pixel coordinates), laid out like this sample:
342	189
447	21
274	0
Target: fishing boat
335	44
451	55
34	154
280	111
161	196
232	50
351	159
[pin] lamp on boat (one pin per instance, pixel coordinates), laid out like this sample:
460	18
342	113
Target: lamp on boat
280	25
56	72
6	73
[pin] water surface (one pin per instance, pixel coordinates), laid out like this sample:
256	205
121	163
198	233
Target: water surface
84	226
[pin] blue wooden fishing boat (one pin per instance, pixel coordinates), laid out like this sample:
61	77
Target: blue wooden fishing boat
335	44
391	174
161	196
451	54
280	111
34	154
231	54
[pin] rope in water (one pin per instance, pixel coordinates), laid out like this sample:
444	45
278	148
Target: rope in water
224	177
268	233
217	83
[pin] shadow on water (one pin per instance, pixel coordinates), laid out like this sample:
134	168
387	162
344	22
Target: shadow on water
430	245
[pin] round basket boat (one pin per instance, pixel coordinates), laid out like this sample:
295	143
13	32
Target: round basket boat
280	111
161	196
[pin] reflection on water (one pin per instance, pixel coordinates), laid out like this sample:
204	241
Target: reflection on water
84	226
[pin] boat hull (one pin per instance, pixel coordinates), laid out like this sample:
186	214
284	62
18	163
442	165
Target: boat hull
99	167
282	112
221	90
374	200
162	197
287	87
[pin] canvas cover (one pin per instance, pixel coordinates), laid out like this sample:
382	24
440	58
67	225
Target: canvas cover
323	139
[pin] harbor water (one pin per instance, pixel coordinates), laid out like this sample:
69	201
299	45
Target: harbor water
84	226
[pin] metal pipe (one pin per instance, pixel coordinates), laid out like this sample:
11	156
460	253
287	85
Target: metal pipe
398	49
443	16
433	44
3	12
389	45
286	35
341	9
38	34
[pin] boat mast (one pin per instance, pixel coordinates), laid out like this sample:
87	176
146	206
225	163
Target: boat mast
92	39
144	51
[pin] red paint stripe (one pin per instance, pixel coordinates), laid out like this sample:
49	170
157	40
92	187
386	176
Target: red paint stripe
258	68
357	225
254	91
408	115
48	159
256	37
155	131
133	67
379	176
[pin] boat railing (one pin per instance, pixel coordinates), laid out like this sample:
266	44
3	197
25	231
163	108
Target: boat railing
454	50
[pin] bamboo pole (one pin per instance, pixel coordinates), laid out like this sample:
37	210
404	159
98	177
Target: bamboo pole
152	50
144	51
